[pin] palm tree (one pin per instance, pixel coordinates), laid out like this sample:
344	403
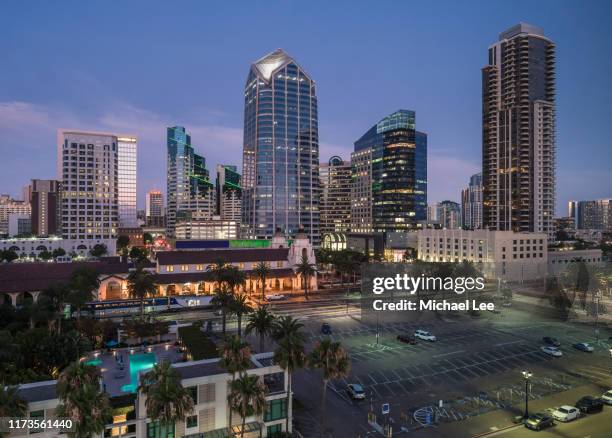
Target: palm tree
141	284
306	270
233	278
11	405
217	271
167	401
260	321
241	307
290	356
223	300
247	397
287	327
59	293
235	358
262	271
333	359
78	389
83	281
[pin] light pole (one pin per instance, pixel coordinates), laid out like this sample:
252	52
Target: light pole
526	375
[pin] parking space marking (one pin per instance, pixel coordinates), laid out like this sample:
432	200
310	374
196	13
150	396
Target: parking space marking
448	354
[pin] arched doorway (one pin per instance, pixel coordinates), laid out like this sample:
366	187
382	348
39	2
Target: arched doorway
113	290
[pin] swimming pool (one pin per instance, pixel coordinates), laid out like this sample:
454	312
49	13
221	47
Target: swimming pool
138	363
94	362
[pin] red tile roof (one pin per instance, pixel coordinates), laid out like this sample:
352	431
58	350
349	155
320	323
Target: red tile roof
227	255
31	277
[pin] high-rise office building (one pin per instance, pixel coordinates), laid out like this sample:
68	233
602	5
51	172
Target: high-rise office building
190	194
518	131
44	200
471	203
449	215
335	201
361	191
10	206
398	173
280	175
229	193
154	208
127	146
87	167
592	215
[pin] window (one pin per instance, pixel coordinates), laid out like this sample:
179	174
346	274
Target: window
193	392
275	430
276	410
279	264
274	382
169	268
199	267
184	268
192	421
156	430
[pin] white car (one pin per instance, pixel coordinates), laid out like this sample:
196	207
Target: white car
566	413
425	335
355	391
607	397
275	297
553	351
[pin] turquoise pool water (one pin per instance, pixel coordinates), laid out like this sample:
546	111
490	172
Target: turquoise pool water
94	362
138	363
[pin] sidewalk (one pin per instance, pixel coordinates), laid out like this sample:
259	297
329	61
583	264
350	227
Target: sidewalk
489	423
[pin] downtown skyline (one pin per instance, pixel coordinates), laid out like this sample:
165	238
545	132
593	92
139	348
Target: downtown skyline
210	106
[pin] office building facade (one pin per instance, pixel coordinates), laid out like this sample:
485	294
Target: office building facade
335	199
361	191
471	204
190	194
518	131
127	154
44	199
229	193
449	214
592	215
10	206
398	169
281	149
154	208
88	164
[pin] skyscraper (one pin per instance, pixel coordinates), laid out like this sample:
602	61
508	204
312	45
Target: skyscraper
229	193
190	193
398	169
87	166
8	207
44	200
449	215
281	149
518	153
593	215
154	208
127	155
471	203
335	201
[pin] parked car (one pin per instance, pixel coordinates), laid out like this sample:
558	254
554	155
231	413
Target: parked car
275	297
424	335
326	329
551	341
566	413
583	346
552	351
589	404
539	421
407	339
606	397
355	391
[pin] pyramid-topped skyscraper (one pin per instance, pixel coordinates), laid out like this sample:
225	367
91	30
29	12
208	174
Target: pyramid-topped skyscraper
281	149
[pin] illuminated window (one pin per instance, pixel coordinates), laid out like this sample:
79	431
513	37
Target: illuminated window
169	268
184	268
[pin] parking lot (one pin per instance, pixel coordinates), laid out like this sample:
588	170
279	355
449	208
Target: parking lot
474	367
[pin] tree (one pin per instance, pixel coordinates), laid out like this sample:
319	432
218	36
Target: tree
45	255
83	282
582	282
58	252
290	354
262	271
98	250
260	321
247	397
240	307
141	284
559	298
287	327
223	301
167	401
235	358
333	360
233	277
8	255
305	270
217	271
60	294
122	244
82	401
138	255
41	311
11	404
147	238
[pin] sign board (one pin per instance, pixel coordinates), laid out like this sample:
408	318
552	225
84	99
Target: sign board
385	408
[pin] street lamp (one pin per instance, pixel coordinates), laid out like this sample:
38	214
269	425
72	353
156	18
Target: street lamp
526	375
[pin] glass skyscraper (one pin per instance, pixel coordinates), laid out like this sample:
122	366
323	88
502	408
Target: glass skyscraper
398	173
281	149
190	193
126	166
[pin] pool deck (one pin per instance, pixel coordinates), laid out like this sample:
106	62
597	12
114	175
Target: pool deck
114	377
